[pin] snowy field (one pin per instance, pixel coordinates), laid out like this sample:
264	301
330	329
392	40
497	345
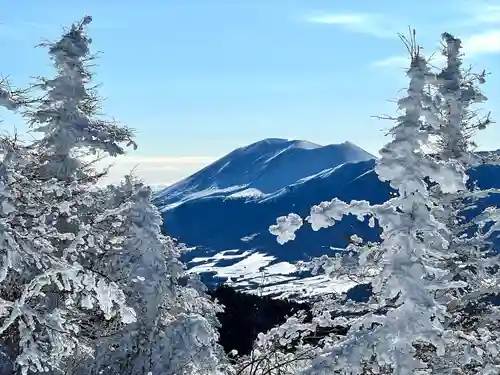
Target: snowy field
259	274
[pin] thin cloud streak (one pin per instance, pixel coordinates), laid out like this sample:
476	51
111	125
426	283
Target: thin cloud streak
341	19
481	13
372	24
484	43
490	14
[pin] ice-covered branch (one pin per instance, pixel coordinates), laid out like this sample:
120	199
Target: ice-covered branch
285	227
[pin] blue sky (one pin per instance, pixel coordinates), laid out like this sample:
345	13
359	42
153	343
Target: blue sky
198	78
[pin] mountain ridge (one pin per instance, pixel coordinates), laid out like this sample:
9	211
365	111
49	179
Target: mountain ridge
260	168
225	222
227	228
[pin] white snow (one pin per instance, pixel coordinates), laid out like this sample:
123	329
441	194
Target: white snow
247	193
285	227
282	268
211	191
249	266
324	173
256	273
249	237
305	288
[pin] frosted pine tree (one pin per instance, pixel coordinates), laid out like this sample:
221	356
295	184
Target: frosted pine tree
406	327
473	315
87	282
456	91
9	148
49	293
175	328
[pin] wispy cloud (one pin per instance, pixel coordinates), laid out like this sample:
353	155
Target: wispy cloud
341	19
169	160
367	23
488	14
481	12
154	170
483	43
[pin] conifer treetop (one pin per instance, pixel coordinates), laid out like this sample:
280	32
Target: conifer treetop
67	115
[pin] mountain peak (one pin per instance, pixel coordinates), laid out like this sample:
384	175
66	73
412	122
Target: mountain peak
279	143
263	167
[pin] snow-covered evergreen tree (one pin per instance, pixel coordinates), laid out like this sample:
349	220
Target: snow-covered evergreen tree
88	284
455	94
8	151
175	328
457	91
409	325
48	291
473	315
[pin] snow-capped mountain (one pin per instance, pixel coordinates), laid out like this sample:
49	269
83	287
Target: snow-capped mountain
259	169
223	212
